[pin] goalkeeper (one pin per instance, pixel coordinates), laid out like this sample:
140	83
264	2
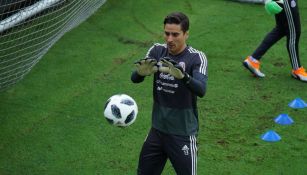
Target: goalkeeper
180	76
287	24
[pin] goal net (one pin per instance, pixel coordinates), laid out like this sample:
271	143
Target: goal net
28	28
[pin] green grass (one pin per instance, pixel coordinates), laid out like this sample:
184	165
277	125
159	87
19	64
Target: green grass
52	123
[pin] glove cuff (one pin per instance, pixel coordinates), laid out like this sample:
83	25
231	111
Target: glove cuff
186	79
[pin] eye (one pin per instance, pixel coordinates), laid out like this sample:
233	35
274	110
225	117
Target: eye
175	34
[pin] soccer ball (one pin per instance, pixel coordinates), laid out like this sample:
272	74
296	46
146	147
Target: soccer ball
120	110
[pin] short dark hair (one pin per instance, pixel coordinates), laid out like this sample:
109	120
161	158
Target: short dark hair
178	18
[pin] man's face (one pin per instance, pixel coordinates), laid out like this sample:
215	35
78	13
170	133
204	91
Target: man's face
175	38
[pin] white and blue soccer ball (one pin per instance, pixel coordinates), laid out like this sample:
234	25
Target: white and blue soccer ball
121	110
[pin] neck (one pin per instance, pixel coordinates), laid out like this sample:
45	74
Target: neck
179	51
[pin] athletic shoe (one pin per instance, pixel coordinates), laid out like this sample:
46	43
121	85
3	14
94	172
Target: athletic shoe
253	66
300	74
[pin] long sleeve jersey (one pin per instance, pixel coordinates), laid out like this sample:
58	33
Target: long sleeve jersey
175	101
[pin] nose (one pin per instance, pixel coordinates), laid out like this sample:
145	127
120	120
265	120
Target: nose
169	38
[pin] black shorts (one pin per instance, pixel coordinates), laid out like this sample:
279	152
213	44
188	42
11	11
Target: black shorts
159	146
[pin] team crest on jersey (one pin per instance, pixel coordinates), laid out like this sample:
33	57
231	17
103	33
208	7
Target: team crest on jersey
182	64
293	3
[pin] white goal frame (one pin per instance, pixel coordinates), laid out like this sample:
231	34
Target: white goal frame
28	28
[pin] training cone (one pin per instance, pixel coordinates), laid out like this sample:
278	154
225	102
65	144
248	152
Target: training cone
298	103
283	119
270	136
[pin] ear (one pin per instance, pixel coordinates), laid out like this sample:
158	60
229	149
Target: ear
186	34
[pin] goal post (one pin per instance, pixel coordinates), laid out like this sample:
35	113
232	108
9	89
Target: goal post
28	28
26	13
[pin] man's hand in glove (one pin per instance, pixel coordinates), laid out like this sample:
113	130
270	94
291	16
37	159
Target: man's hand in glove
171	67
146	66
273	7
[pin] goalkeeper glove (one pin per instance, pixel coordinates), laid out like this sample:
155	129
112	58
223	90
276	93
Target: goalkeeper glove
171	67
273	7
146	66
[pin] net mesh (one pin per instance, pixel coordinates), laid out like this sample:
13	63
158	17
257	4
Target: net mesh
28	28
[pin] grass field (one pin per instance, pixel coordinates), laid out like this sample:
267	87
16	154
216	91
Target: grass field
51	122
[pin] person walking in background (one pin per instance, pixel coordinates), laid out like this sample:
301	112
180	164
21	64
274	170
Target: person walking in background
287	24
180	76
